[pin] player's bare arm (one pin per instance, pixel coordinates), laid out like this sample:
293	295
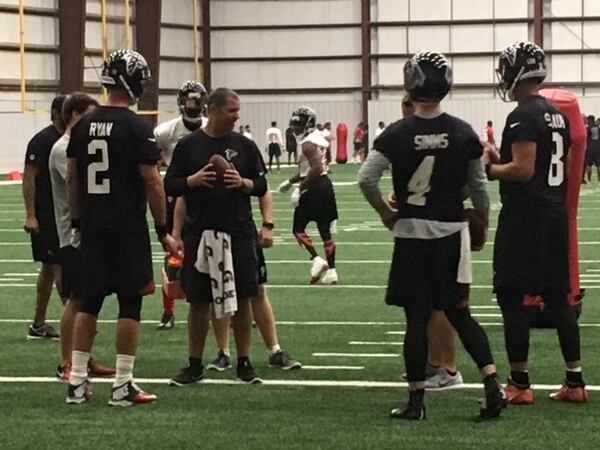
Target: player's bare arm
368	180
29	174
178	220
265	235
522	166
315	160
155	194
287	184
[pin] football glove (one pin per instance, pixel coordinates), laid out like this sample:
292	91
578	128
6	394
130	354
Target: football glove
285	186
295	198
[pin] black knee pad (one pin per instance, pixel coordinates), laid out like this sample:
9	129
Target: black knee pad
130	306
91	305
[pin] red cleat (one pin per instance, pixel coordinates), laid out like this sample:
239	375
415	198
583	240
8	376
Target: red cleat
518	396
130	394
64	372
95	369
573	394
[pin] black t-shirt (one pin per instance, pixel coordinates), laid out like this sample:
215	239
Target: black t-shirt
109	144
430	160
38	152
537	121
593	137
290	140
215	209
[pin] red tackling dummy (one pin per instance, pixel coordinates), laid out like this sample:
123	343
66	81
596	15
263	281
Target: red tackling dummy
567	104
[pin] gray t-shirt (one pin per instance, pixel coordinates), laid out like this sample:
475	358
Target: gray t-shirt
57	165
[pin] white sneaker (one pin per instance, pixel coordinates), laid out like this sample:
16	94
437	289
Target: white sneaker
330	277
443	380
318	269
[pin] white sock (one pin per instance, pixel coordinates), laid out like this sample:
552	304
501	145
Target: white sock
79	367
275	349
225	351
575	369
124	369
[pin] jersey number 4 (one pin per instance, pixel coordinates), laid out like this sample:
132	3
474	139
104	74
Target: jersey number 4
96	183
420	182
556	173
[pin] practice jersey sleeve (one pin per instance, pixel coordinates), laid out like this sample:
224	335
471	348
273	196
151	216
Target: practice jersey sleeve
177	173
144	143
384	143
76	142
473	145
521	126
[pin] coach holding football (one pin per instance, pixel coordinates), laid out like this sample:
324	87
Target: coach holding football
224	209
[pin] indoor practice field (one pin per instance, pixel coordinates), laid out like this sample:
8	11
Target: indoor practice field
349	341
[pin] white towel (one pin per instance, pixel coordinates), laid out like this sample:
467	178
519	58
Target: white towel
215	259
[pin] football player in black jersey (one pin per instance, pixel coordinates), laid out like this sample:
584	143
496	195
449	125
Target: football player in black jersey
433	155
111	175
531	246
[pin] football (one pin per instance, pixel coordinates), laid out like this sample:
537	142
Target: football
220	165
477	229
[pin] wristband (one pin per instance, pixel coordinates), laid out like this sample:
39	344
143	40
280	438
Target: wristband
75	224
268	225
161	230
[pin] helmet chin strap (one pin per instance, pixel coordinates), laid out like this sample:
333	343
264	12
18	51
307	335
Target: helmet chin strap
511	90
192	120
126	86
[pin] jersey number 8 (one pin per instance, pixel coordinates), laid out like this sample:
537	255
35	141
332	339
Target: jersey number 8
556	173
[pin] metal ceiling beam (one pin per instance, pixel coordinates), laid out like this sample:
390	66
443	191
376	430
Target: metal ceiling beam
71	32
365	32
147	38
206	66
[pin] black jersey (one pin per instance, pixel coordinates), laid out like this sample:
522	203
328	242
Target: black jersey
109	144
429	160
38	152
214	208
536	120
593	137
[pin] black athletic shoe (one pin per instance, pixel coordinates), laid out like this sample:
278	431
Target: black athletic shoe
167	322
282	360
414	410
495	399
246	373
78	394
186	377
42	332
220	363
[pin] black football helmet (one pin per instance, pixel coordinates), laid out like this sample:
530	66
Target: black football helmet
191	99
127	70
517	62
427	77
304	119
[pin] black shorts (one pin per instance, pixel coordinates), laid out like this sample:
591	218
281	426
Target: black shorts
44	244
292	150
358	146
262	265
197	286
425	273
70	261
592	157
115	260
274	149
317	204
531	250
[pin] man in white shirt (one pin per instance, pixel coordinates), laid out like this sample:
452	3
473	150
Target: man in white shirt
274	144
247	132
75	106
191	100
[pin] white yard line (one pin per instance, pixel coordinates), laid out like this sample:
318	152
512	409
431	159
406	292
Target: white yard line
357	355
287	383
375	343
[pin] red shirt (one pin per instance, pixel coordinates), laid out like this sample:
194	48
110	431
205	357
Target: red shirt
358	134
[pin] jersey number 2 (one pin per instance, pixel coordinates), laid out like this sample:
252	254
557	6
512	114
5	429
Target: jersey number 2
420	182
556	173
95	183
